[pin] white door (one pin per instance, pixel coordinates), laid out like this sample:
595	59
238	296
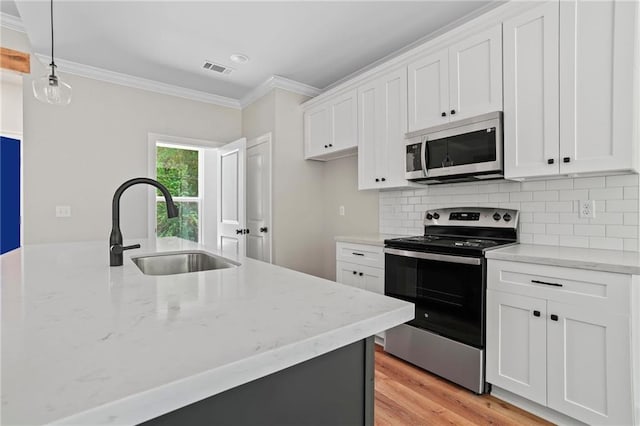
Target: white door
475	74
588	358
231	198
347	274
372	279
259	199
517	344
368	137
531	93
429	91
596	80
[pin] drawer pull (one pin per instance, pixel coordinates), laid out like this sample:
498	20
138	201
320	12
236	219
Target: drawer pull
536	313
545	283
554	317
357	254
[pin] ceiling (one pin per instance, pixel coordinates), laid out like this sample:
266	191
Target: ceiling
315	43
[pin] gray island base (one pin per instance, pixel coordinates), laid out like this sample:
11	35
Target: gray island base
332	389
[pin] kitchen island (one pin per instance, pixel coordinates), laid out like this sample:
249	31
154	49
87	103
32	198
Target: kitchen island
85	343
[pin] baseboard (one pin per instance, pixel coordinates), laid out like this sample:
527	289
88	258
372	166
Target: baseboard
534	408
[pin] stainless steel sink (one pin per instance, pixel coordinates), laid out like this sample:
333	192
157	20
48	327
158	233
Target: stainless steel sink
181	263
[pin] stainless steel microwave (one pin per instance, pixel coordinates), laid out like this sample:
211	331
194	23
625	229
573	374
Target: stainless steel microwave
465	150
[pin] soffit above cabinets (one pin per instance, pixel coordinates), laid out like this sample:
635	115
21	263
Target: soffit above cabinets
313	43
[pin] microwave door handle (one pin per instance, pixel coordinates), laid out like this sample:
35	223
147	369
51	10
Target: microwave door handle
425	157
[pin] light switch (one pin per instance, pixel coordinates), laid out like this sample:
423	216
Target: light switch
341	210
63	211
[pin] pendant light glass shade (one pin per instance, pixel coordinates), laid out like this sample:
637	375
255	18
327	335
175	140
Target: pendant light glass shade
49	88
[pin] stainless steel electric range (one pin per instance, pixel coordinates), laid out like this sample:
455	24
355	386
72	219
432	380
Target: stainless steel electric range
443	272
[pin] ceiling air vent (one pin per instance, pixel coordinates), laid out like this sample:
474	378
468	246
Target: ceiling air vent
217	68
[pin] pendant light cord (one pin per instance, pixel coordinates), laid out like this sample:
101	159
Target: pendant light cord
53	64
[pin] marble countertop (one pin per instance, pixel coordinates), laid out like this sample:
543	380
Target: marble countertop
84	343
369	239
624	262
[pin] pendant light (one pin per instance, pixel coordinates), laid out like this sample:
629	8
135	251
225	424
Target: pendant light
49	88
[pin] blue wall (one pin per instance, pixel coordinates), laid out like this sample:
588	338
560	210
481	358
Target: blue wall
9	194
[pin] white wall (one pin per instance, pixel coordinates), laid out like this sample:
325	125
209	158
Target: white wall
548	209
10	104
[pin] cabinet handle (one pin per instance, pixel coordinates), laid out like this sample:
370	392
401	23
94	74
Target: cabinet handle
264	229
330	145
444	114
239	231
360	274
545	283
382	179
377	180
551	161
355	272
453	111
566	159
554	317
326	146
357	254
536	313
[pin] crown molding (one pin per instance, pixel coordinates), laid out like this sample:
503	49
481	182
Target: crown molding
140	83
277	82
12	22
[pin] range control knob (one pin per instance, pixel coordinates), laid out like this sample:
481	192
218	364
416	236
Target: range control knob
496	216
436	216
506	217
429	216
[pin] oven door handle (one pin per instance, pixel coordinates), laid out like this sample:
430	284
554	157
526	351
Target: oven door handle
435	256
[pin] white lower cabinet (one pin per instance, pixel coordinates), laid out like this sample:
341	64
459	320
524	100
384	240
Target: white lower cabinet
561	337
361	266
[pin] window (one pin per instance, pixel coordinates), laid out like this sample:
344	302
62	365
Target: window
180	170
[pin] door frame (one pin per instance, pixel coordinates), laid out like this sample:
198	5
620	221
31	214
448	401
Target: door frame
266	138
152	140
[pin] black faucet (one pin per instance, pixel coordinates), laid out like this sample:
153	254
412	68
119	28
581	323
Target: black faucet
115	239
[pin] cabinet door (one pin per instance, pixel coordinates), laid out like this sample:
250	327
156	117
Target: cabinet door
382	124
597	50
475	74
531	93
373	279
348	274
344	110
368	138
517	345
317	128
589	375
429	91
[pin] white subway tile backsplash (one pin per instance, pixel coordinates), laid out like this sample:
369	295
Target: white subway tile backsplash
560	184
605	194
590	182
622	180
548	209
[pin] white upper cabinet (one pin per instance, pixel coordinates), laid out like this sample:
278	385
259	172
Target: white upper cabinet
598	46
429	91
570	90
458	82
330	128
531	94
475	75
382	124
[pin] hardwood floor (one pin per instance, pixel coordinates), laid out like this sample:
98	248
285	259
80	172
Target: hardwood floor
407	395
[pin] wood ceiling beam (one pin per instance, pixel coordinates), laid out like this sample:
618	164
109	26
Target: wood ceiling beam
15	60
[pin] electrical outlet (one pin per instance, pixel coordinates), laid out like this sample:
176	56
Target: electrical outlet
341	210
63	211
587	209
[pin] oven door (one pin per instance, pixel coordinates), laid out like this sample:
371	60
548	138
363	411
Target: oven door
448	292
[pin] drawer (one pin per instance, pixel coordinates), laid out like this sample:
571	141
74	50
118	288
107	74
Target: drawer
601	290
360	254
